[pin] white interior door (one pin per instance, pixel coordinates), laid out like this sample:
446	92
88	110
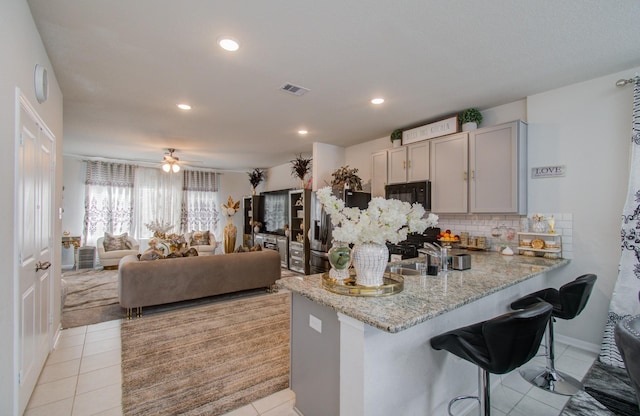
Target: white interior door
34	233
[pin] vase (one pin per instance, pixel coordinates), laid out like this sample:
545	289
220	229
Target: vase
230	234
253	191
539	226
256	229
340	260
370	261
472	125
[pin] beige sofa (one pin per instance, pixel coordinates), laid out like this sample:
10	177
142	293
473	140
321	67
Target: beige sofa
156	282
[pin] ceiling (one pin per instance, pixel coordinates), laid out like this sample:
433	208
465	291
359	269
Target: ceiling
123	66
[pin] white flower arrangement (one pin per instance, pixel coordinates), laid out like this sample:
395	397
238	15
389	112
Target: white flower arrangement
383	220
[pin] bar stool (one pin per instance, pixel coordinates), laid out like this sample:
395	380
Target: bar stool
496	346
567	303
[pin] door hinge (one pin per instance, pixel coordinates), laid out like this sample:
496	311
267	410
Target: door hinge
19	377
21	138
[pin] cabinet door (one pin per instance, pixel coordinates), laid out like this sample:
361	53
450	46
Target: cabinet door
378	173
449	168
397	165
494	164
418	161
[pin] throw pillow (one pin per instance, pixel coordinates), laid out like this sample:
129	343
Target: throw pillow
116	242
150	254
192	252
199	238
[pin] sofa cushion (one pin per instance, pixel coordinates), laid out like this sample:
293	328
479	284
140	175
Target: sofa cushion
116	242
199	238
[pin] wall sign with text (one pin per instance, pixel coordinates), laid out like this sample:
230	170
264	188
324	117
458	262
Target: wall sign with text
548	172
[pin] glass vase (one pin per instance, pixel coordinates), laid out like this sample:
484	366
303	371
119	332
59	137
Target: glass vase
370	261
539	226
340	260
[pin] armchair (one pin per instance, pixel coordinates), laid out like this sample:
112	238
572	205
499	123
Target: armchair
111	259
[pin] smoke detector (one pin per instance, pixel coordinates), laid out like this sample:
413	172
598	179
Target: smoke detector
294	89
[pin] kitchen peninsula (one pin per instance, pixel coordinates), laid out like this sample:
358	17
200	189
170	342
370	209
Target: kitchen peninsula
360	356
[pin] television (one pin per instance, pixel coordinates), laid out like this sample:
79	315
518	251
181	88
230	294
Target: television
275	211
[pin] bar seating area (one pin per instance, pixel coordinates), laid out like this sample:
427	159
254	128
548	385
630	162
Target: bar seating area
496	346
568	302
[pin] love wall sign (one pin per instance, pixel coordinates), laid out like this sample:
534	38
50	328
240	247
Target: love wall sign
548	172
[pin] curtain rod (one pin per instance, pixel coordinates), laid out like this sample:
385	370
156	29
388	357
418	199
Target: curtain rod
623	82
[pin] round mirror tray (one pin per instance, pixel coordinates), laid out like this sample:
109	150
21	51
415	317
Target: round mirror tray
392	283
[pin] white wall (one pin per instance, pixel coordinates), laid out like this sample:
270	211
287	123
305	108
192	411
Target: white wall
587	128
327	158
20	50
279	177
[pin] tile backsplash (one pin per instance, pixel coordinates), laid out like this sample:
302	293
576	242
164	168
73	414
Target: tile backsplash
481	225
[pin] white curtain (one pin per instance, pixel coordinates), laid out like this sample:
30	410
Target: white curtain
624	301
158	197
200	203
108	203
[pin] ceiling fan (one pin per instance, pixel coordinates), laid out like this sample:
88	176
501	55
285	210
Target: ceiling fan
171	163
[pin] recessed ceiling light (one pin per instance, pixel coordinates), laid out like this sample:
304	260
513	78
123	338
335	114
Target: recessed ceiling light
377	101
303	132
228	43
184	106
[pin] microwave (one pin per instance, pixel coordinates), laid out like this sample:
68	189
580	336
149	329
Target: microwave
411	192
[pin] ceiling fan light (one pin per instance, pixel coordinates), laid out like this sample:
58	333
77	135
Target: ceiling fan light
175	168
166	167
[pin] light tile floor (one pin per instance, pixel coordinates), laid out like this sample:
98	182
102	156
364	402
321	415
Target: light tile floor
82	377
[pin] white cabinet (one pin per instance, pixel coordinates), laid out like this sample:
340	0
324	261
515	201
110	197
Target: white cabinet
408	163
498	169
378	173
482	171
449	179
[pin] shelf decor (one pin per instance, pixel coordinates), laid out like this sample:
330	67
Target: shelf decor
538	225
255	178
384	220
300	166
346	178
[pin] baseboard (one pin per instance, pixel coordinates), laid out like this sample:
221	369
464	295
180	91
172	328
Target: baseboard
586	346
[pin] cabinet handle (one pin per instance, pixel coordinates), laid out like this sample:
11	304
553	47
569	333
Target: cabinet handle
473	174
464	176
404	164
409	164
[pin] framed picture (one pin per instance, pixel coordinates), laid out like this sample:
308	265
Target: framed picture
429	131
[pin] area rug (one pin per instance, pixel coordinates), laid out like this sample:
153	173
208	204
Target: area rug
206	360
92	297
607	392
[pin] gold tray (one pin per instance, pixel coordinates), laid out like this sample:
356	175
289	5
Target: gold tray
392	283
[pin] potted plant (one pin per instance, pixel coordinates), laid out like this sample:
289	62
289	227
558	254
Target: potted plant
346	178
396	137
470	119
300	166
255	178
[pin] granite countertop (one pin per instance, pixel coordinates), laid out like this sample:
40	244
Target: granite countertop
424	298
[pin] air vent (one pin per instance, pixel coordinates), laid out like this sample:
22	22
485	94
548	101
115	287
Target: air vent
294	89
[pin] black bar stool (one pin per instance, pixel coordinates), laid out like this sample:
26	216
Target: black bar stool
567	303
496	346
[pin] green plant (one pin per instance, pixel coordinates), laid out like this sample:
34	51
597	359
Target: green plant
343	176
470	115
396	135
300	166
256	176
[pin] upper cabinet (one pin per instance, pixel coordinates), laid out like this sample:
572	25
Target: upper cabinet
449	174
498	166
482	171
408	163
378	173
